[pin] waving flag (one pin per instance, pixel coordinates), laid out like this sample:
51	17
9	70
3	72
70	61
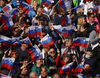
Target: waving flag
33	22
7	7
8	24
6	41
2	75
79	68
25	41
63	3
57	28
66	68
98	28
46	2
47	41
95	9
65	20
81	41
8	62
35	52
25	7
34	31
67	30
81	76
79	6
16	40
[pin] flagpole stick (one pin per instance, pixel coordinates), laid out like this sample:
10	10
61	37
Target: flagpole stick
30	41
9	72
55	45
56	4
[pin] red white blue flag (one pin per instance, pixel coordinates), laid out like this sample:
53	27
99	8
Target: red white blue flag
7	7
63	3
25	7
66	68
67	30
81	41
8	62
8	24
2	75
34	31
81	76
46	2
57	28
35	52
47	41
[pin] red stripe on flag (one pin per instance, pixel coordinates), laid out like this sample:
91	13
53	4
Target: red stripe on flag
60	2
63	21
79	44
24	9
49	43
7	65
5	9
6	44
5	26
65	34
43	3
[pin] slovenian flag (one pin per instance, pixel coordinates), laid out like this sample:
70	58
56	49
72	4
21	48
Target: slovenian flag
34	31
46	2
6	41
67	30
34	52
47	41
57	28
95	9
25	7
16	40
79	68
66	68
8	24
81	76
81	41
7	7
63	3
65	20
25	41
8	62
2	75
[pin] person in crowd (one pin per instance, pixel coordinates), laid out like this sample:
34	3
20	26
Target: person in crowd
44	73
56	75
37	66
33	75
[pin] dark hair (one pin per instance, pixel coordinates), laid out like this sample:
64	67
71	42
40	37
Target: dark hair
89	14
85	63
41	69
23	58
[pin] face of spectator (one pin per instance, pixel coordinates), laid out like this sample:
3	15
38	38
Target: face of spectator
88	53
33	75
24	71
15	55
69	43
74	58
40	11
44	72
16	31
25	46
52	52
1	3
43	34
35	3
91	18
66	59
21	11
57	76
39	61
25	62
62	11
86	67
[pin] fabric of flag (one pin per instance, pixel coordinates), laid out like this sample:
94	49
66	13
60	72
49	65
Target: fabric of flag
79	6
47	41
16	40
46	2
79	68
57	28
8	24
63	3
7	7
2	75
6	41
35	52
67	30
33	22
65	20
8	62
95	9
81	41
34	31
81	76
25	7
25	41
98	28
66	68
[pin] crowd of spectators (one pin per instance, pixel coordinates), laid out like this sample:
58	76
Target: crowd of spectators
62	52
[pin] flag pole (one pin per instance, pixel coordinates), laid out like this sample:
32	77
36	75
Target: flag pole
9	72
56	4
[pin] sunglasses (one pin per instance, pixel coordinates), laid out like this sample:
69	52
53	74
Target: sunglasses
41	59
52	52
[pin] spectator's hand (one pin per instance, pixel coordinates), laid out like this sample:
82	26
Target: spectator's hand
23	66
39	44
58	51
53	7
99	35
51	68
